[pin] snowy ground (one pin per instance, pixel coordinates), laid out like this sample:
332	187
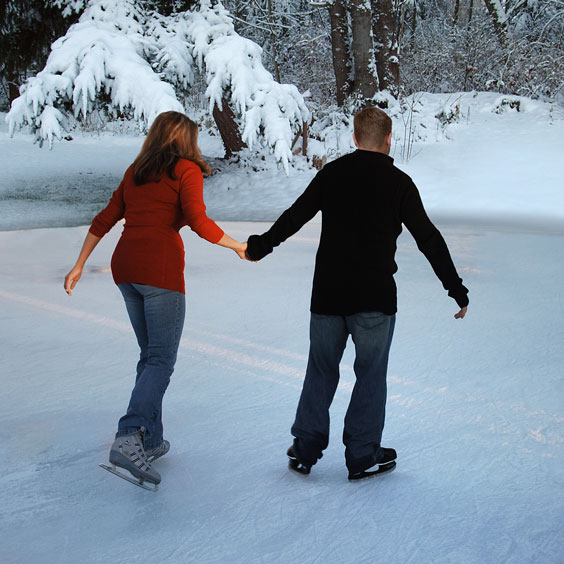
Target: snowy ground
493	166
475	407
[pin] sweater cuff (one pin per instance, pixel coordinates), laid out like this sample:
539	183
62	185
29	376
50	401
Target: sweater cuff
96	231
216	235
460	296
257	247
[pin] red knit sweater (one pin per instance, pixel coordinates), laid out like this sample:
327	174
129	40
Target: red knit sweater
150	250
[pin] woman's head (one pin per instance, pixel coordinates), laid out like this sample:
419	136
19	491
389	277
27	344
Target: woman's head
171	136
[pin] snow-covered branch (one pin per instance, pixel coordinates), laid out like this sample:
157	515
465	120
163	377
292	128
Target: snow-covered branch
69	7
168	47
233	65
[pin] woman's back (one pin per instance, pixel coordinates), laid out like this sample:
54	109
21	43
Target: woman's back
150	250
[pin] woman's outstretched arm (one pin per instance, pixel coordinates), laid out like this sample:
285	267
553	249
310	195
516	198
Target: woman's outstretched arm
230	243
74	275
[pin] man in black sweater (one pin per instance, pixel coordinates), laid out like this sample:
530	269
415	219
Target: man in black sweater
364	200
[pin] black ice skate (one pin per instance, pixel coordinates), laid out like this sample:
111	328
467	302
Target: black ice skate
386	463
295	465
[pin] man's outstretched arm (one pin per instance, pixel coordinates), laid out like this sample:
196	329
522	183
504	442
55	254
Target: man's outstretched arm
431	243
291	221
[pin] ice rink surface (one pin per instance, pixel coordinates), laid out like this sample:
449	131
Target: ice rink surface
475	411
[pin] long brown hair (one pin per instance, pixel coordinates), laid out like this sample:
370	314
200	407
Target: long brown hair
171	136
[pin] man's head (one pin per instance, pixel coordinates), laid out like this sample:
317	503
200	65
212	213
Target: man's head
373	130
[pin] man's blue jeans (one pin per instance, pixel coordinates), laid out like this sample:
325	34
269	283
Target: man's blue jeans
157	317
364	421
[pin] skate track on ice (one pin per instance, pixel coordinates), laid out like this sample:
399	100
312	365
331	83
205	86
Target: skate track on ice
474	410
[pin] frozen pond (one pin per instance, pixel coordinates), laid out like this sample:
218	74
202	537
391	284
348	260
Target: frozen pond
475	412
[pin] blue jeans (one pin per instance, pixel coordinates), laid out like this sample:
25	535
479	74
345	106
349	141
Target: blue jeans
364	421
157	317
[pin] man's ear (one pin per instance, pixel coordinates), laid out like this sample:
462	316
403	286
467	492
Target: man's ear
355	141
389	139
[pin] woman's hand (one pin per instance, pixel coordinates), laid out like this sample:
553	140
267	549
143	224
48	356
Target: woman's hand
241	250
72	278
233	244
74	275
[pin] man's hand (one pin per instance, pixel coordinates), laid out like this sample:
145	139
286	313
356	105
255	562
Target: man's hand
461	313
247	254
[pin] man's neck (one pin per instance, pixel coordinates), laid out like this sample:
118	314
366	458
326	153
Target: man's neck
384	150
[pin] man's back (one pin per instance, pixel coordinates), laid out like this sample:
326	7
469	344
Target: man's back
364	199
361	202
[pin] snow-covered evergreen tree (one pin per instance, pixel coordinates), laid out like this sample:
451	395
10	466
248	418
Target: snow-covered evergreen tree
98	64
233	65
123	59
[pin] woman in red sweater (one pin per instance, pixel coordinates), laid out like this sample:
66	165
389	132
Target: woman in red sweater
160	192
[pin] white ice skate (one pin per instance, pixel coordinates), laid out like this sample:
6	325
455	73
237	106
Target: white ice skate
155	453
128	453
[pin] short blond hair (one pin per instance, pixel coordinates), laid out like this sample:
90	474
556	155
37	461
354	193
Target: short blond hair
371	126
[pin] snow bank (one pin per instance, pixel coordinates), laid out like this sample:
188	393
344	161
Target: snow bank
480	167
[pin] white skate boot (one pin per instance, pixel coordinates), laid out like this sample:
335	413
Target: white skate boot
128	453
158	451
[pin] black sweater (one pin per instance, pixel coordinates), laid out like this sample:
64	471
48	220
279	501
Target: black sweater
364	199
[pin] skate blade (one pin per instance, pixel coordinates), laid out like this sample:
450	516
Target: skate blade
135	481
382	469
298	468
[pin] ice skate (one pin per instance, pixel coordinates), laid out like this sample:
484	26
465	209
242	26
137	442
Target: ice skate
155	453
128	453
295	465
386	463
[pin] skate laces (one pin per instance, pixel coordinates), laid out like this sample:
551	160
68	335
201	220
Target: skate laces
135	451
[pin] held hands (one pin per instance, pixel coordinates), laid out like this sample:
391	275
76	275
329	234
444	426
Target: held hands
234	245
241	250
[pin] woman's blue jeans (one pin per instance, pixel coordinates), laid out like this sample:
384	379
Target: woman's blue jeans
157	317
372	334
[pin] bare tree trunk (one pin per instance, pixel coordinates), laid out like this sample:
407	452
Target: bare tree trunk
456	12
273	41
230	134
13	91
413	24
340	48
470	13
386	45
365	75
499	18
